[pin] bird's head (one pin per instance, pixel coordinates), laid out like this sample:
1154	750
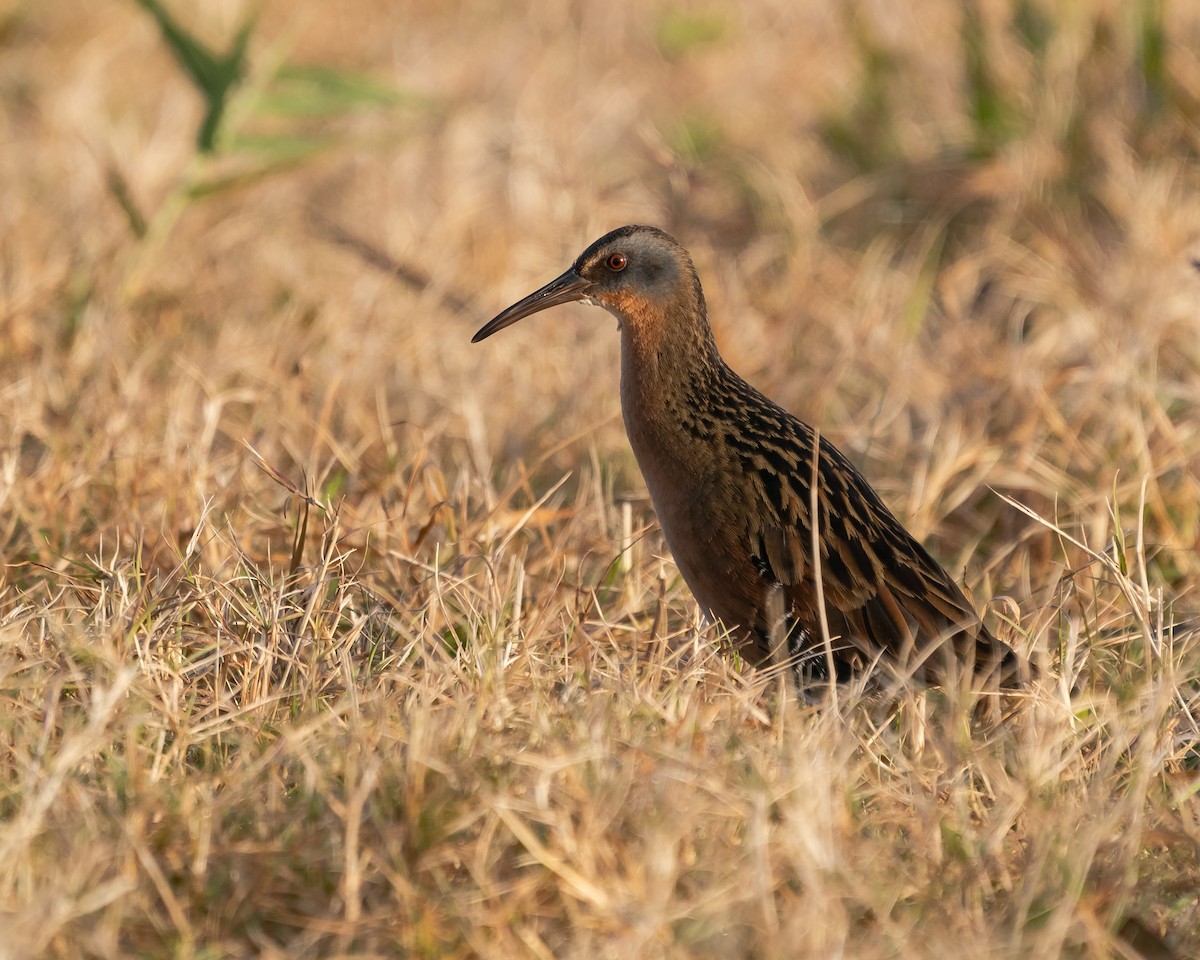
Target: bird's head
635	272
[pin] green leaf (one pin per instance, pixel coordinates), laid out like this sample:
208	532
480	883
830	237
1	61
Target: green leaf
679	32
214	76
305	91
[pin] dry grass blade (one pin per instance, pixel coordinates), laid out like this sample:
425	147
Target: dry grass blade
323	633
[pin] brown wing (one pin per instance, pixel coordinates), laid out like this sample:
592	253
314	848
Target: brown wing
882	591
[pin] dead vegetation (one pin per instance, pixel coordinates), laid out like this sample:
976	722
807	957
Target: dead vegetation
323	633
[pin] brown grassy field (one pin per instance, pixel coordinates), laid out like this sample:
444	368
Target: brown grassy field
326	634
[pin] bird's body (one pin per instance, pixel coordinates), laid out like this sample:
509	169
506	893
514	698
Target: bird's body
732	477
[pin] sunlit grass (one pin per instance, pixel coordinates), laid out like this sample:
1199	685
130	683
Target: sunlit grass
323	633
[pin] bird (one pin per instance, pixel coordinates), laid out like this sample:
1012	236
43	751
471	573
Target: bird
776	533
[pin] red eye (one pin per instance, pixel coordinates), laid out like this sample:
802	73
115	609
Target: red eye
616	262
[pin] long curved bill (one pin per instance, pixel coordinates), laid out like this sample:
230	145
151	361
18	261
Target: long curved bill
570	286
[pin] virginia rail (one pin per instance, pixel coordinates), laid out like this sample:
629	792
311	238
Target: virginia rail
739	484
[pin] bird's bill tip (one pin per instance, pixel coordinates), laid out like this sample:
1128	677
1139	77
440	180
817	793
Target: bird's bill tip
564	289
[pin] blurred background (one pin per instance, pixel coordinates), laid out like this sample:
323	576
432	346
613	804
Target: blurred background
957	237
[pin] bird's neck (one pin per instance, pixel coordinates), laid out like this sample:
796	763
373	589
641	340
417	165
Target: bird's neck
669	363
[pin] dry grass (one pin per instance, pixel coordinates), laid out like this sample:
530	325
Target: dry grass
317	634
